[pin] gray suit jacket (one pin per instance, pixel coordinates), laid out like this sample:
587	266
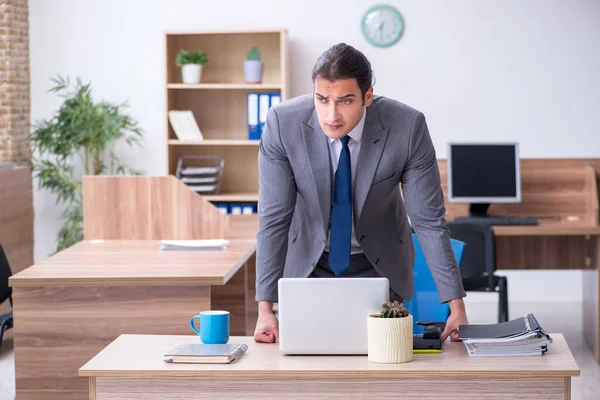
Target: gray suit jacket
295	197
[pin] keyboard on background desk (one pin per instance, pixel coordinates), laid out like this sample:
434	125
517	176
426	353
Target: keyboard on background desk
499	220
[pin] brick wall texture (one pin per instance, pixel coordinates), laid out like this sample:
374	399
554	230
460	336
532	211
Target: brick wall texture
14	81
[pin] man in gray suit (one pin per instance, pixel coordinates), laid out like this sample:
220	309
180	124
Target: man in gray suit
330	165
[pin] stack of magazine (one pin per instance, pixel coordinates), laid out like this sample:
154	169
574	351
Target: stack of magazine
520	337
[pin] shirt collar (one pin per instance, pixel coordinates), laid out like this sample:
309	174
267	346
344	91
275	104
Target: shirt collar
356	132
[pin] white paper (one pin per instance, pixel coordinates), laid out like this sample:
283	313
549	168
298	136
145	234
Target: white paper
209	244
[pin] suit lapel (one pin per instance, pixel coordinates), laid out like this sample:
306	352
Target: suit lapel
371	148
317	150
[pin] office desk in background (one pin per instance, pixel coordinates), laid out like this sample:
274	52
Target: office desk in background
71	305
132	367
563	194
565	242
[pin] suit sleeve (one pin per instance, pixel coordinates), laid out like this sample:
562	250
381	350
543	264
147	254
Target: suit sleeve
424	200
276	202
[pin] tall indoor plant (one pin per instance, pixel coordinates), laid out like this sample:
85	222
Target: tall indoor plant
79	139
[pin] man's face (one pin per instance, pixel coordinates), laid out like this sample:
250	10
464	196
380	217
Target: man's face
339	105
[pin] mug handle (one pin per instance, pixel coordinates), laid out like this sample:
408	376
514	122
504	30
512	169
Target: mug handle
193	326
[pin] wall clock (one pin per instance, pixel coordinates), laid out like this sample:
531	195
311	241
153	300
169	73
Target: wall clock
382	25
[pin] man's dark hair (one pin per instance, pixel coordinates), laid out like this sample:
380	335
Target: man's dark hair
344	62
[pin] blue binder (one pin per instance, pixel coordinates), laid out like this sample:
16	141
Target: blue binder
258	108
235	209
264	103
275	99
253	110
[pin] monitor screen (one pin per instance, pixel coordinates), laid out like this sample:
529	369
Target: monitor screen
484	173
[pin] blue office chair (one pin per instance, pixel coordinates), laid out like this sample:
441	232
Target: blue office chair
425	304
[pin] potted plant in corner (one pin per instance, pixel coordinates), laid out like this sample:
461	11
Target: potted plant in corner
390	334
253	67
84	136
191	63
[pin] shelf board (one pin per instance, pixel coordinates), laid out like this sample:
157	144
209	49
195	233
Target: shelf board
225	32
247	86
215	142
232	197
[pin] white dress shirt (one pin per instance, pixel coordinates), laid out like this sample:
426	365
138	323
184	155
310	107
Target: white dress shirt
335	149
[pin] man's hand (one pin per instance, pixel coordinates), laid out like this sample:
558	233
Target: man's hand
458	316
267	326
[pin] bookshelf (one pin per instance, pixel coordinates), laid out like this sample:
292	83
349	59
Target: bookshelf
219	102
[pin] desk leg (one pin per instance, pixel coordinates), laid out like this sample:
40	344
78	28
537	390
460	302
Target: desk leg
60	328
92	388
567	388
591	306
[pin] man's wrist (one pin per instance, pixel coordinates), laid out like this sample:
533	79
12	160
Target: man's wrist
265	307
457	306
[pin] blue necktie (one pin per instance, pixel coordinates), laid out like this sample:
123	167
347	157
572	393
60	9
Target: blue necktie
341	214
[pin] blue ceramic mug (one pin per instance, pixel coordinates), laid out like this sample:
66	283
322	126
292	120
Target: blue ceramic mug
214	326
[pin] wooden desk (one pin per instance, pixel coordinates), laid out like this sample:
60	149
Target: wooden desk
132	367
71	305
560	242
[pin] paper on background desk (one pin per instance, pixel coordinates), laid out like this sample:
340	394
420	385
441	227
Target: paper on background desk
210	244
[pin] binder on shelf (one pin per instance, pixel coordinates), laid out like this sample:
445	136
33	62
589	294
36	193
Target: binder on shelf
253	110
236	209
247	209
275	99
223	207
258	108
264	102
184	125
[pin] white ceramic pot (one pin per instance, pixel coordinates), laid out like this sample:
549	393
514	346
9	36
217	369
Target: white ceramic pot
390	340
253	70
190	73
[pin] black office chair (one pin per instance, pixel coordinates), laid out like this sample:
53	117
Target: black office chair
479	262
6	320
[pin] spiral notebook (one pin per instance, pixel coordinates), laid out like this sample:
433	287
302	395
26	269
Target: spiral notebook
199	353
519	337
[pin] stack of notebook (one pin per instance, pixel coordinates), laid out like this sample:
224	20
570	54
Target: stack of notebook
520	337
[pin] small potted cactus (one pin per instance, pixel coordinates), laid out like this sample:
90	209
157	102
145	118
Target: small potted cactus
253	67
390	334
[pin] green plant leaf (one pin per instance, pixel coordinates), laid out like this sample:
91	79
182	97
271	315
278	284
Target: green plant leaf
191	57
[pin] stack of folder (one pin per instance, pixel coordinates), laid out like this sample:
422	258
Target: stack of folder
520	337
258	106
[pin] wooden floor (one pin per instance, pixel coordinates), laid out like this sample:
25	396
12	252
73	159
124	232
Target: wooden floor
585	387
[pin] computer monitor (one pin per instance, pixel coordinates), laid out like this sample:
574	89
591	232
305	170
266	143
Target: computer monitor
483	173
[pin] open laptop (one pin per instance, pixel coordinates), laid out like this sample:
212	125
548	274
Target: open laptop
327	315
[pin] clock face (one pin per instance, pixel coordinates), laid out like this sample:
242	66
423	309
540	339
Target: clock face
382	25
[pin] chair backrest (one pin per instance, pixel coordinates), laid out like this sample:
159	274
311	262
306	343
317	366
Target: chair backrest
5	273
425	304
479	258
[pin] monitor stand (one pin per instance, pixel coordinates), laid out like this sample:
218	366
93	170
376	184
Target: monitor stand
479	210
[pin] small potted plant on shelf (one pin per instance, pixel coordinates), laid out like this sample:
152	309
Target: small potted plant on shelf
253	67
390	334
191	63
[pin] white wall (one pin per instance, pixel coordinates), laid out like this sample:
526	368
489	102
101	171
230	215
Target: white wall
479	70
